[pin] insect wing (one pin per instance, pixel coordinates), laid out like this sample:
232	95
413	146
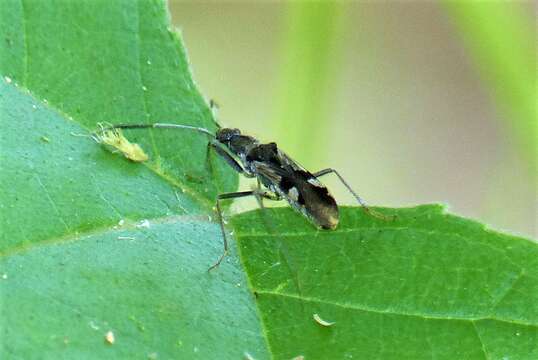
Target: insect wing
302	190
270	175
317	203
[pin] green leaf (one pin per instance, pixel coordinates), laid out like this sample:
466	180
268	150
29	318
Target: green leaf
427	285
69	272
92	243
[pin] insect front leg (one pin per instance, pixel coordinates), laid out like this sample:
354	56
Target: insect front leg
357	197
232	195
229	159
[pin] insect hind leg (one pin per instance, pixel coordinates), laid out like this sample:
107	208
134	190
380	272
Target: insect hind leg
361	202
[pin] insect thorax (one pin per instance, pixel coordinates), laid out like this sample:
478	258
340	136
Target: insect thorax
238	144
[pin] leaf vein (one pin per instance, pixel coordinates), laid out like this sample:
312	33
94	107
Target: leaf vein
507	290
52	202
130	224
367	309
482	345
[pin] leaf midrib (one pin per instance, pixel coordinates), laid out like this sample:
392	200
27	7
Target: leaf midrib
129	225
368	309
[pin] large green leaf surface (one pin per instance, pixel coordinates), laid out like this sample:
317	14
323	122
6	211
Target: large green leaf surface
426	285
69	272
78	258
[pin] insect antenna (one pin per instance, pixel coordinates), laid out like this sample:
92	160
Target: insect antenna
160	126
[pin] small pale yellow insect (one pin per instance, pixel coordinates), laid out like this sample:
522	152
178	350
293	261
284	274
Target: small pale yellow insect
115	141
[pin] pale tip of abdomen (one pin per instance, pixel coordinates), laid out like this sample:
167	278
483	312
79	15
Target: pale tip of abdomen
329	222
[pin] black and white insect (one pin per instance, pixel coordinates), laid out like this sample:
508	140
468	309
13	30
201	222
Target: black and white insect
279	177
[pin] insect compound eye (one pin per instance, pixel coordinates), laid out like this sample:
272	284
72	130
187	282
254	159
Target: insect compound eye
226	134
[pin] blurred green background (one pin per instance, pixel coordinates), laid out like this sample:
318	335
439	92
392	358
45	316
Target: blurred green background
413	102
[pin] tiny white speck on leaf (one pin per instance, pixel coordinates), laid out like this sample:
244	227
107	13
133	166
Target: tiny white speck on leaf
248	356
322	322
4	276
148	62
109	337
143	224
8	79
144	88
121	222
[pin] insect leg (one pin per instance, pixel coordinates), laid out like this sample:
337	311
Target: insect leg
229	159
226	156
259	199
357	197
260	195
232	195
